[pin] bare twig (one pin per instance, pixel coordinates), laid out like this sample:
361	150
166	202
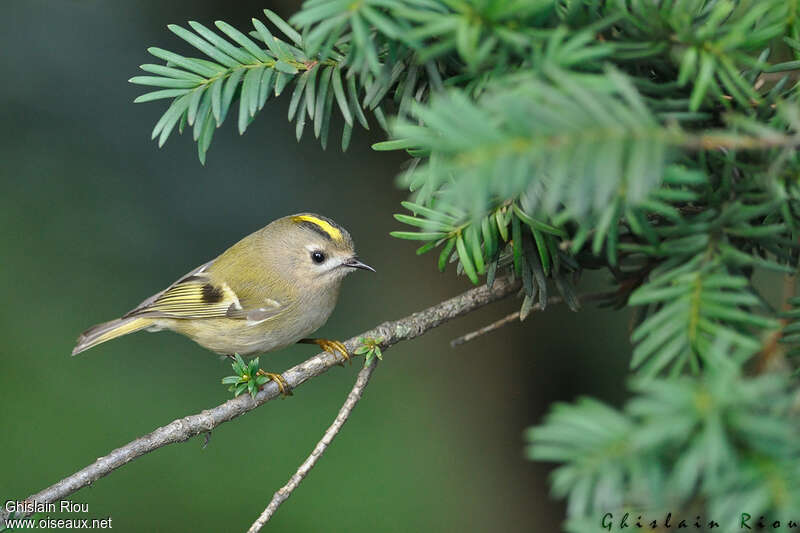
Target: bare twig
185	428
497	324
282	494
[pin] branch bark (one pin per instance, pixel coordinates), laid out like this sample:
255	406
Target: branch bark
182	429
282	494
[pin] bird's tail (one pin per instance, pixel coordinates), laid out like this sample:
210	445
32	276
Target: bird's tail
110	330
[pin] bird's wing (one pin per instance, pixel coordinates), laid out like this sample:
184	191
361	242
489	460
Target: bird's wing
196	295
269	309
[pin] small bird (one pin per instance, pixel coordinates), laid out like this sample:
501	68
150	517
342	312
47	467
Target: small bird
269	290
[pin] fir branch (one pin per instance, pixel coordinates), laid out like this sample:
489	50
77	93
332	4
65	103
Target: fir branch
696	303
203	90
722	438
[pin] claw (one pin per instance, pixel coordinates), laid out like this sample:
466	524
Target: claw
330	346
283	386
337	345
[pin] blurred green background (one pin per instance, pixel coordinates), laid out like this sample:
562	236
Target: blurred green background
95	218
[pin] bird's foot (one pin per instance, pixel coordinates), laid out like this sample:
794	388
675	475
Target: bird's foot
283	386
330	346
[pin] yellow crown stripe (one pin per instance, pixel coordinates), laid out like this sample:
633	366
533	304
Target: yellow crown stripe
324	225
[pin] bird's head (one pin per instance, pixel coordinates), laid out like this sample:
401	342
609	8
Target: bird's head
319	251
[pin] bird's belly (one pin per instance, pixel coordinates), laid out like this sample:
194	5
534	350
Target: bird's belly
229	336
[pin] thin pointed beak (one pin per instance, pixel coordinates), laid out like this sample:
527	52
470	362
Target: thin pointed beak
355	263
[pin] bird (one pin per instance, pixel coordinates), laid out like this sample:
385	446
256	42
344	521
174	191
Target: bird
271	289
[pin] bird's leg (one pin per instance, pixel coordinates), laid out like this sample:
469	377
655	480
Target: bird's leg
329	346
283	385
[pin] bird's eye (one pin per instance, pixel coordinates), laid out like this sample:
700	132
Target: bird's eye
318	257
